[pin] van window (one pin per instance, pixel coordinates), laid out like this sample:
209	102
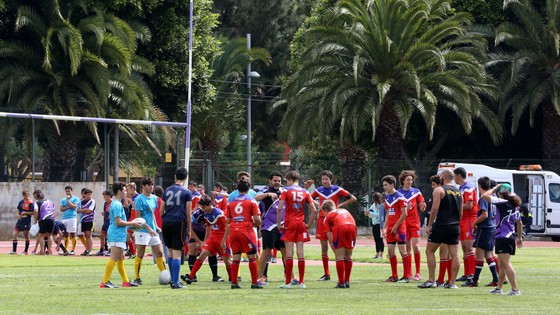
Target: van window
554	192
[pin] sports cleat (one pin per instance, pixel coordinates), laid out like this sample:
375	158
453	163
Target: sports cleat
462	278
469	283
440	284
325	278
187	278
450	286
138	281
217	279
285	286
402	280
417	277
235	286
491	284
177	285
302	286
24	253
347	285
428	284
85	253
107	285
72	252
496	291
392	279
514	292
273	260
256	286
340	286
99	253
12	253
129	284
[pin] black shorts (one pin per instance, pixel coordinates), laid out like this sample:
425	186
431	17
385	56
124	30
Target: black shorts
200	236
105	226
87	226
23	224
445	234
271	239
505	246
484	239
46	226
174	234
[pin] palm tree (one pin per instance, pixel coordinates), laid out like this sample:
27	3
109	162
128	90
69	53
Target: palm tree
77	60
381	63
528	57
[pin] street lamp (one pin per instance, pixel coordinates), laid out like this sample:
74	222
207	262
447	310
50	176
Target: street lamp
250	75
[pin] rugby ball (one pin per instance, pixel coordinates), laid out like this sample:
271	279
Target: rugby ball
164	277
34	230
139	221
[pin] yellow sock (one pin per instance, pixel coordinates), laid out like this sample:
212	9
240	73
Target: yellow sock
160	263
122	271
108	270
83	240
66	241
74	241
137	266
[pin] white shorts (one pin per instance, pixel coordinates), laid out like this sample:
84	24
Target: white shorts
117	244
79	229
71	224
143	238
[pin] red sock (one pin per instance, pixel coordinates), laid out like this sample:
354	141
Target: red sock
131	247
393	260
340	271
253	270
417	261
274	252
347	269
442	270
449	264
195	268
234	271
497	264
466	266
186	249
472	263
301	269
228	269
325	259
407	265
289	269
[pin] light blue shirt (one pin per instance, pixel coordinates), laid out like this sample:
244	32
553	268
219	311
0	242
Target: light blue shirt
116	233
235	193
70	213
146	205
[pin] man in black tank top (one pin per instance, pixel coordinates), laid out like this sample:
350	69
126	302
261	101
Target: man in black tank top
443	227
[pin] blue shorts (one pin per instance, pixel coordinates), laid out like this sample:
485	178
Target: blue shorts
484	239
23	224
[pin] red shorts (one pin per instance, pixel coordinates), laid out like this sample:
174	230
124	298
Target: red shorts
345	236
295	232
412	231
399	238
321	232
214	246
243	241
465	227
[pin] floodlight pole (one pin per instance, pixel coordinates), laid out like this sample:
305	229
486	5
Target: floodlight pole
189	93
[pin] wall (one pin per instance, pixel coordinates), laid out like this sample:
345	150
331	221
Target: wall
10	195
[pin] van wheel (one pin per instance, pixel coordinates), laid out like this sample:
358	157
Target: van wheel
555	238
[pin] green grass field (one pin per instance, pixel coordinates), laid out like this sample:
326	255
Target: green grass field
70	285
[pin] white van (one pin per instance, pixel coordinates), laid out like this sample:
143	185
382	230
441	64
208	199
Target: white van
539	191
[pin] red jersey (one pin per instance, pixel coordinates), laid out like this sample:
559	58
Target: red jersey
195	198
157	212
339	217
393	206
331	193
240	211
221	202
413	197
468	192
295	198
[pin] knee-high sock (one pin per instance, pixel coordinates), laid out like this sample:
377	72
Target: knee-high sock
325	259
131	247
176	263
83	240
417	261
137	266
213	263
340	270
442	270
254	270
170	267
109	266
479	265
466	266
26	246
74	241
394	261
407	265
493	268
289	269
347	269
191	260
301	269
265	271
234	270
122	271
497	264
195	268
14	245
228	269
472	263
66	241
160	263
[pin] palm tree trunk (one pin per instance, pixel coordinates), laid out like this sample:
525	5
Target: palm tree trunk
352	161
60	160
550	138
388	135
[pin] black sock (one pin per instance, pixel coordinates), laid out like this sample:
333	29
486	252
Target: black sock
61	245
192	260
213	263
14	246
265	271
26	246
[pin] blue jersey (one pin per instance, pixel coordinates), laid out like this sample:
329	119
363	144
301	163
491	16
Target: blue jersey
176	198
146	205
235	193
197	221
116	233
70	213
490	222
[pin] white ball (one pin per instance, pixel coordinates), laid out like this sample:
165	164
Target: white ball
34	230
164	277
140	221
